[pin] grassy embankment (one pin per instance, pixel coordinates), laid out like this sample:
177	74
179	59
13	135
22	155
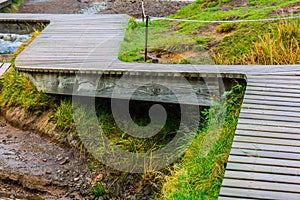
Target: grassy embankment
193	176
274	42
14	6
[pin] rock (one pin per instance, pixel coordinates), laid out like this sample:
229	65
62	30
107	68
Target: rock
44	160
98	178
65	161
76	179
48	171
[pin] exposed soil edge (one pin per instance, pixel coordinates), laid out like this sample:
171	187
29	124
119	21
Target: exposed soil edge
41	125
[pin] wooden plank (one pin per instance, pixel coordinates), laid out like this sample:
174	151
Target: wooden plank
262	177
265	161
262	140
264	154
270	102
271	89
4	68
260	194
272	77
263	168
276	113
252	106
267	128
270	186
273	85
271	94
273	98
269	123
266	147
268	134
234	198
277	81
264	116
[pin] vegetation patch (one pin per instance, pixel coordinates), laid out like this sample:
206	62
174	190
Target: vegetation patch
226	43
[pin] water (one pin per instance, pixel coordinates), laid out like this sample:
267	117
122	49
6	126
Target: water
9	43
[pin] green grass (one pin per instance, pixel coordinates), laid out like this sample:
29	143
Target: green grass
162	38
97	190
17	91
14	7
228	43
199	175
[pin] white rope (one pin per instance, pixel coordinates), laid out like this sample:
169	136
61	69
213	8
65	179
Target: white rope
226	21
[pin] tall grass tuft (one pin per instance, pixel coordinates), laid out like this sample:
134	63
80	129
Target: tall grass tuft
279	47
17	90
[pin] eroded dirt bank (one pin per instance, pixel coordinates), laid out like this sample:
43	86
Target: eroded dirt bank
31	166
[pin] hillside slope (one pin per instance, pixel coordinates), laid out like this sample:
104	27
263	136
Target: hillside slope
222	43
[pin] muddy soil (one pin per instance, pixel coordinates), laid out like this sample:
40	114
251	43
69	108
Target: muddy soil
31	166
53	6
153	8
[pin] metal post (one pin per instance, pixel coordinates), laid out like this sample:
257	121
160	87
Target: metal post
146	40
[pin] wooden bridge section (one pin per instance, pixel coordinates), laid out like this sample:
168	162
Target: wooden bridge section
5	3
264	162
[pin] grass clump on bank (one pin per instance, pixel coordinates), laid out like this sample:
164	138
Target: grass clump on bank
17	91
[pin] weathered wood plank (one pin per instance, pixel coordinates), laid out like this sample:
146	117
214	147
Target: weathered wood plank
3	68
268	134
265	147
269	123
260	194
272	186
264	154
234	198
264	161
263	168
253	106
262	177
267	128
271	103
264	116
262	140
275	113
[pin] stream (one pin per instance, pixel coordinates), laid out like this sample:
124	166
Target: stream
9	43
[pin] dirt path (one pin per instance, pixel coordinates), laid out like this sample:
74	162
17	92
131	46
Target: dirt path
31	163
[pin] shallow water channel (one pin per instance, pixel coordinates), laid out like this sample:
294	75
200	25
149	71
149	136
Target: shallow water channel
9	43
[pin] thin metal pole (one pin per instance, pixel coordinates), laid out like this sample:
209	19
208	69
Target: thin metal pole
146	40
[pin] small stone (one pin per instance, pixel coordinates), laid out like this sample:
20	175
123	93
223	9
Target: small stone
76	179
98	178
9	136
89	180
44	160
48	171
65	161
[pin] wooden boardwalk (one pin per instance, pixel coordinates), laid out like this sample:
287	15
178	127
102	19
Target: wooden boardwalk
3	68
264	162
5	3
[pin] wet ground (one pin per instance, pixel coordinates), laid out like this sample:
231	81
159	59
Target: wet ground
30	163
